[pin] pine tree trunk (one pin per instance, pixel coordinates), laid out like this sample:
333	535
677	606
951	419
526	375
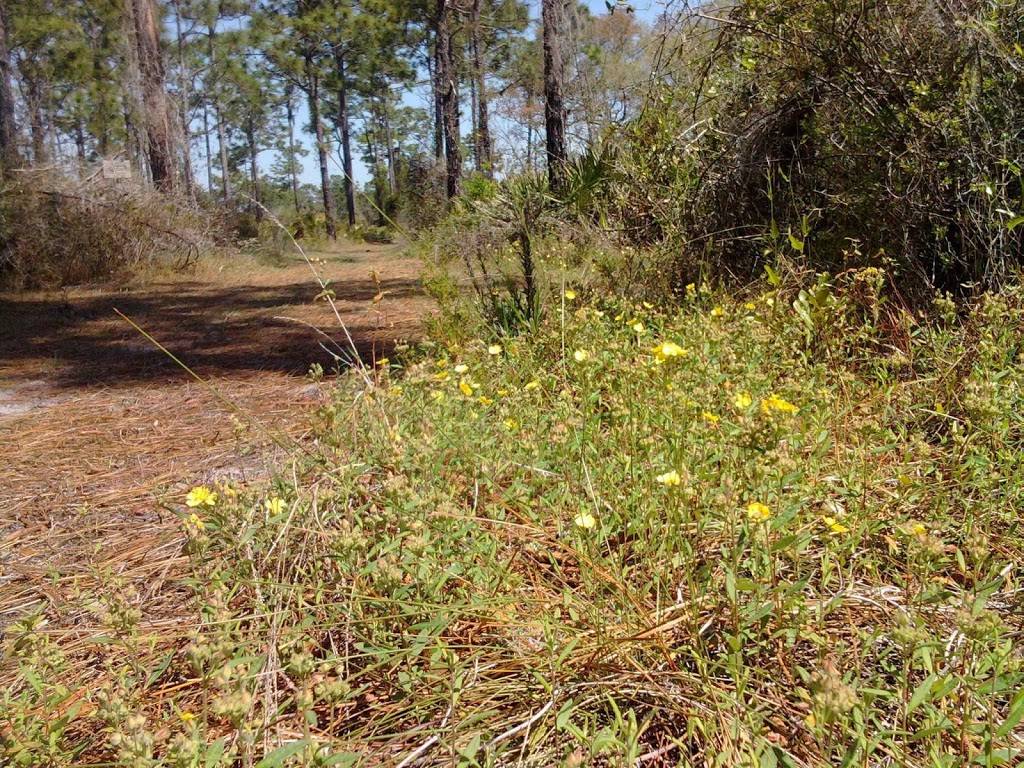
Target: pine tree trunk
222	143
209	153
222	139
482	141
554	105
254	172
321	148
156	106
346	139
9	156
291	149
389	142
37	128
449	100
183	96
433	66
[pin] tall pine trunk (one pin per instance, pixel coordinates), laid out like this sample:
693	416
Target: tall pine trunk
346	138
36	124
447	79
254	171
554	105
8	128
434	69
293	172
183	97
155	104
482	139
313	82
209	153
222	143
222	139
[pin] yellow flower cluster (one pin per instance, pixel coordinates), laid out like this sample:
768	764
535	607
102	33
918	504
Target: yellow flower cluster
776	403
758	512
667	350
670	478
201	496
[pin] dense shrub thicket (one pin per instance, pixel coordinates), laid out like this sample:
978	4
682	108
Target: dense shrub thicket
841	133
57	231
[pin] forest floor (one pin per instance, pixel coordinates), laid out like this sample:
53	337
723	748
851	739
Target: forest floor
100	429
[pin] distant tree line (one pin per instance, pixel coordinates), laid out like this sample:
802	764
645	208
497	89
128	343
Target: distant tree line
192	92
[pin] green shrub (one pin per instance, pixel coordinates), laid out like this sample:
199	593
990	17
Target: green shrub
840	134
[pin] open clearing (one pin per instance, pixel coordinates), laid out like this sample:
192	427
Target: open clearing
99	428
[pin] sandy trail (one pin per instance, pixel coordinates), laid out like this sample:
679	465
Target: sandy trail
100	431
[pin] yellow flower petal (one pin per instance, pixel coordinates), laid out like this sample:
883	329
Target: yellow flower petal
670	478
585	520
758	512
201	496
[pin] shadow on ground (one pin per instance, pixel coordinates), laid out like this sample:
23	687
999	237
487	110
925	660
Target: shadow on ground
76	339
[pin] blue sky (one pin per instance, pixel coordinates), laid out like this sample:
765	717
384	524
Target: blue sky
647	10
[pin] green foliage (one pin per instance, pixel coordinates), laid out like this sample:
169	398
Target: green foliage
743	532
793	121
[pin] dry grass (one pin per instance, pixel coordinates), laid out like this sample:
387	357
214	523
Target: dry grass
101	432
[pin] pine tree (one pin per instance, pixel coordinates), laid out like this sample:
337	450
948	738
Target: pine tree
157	113
9	155
554	105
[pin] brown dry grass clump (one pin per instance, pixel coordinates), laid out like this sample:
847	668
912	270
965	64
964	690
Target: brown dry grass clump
56	230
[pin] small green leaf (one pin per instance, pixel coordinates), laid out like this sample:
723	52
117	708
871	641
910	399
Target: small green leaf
1013	716
276	758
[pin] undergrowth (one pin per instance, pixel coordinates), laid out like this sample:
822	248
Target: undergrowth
767	530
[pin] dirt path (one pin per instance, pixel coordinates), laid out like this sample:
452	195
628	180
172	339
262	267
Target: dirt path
99	428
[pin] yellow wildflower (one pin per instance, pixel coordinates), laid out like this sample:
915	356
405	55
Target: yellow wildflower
461	368
570	294
437	395
442	363
194	523
442	376
531	385
668	349
670	478
466	387
186	717
834	526
494	349
275	505
917	529
485	401
750	306
710	417
511	425
383	362
776	403
201	496
742	400
581	355
717	312
585	520
758	512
